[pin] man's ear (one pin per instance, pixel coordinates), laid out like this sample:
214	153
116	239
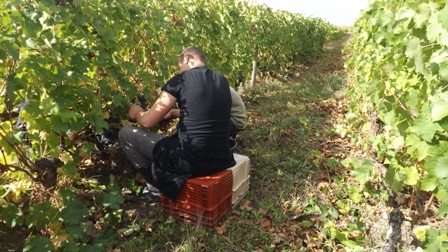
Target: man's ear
186	59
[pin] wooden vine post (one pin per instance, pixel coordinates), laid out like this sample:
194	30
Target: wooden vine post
254	67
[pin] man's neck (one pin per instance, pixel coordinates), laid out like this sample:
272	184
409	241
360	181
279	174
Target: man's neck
196	64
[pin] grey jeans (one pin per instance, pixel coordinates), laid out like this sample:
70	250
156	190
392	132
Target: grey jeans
137	144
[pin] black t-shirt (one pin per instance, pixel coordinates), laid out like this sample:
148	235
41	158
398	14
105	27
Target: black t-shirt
201	145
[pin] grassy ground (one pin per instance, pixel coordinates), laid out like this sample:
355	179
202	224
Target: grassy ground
295	156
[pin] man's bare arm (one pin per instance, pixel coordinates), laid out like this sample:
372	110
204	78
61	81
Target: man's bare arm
158	111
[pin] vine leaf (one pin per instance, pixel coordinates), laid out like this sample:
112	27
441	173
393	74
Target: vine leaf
429	183
440	106
424	128
417	147
40	215
74	213
443	209
443	16
415	51
39	244
12	216
441	168
411	175
424	12
394	177
362	171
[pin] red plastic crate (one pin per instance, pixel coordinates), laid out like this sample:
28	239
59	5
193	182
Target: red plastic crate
195	215
207	191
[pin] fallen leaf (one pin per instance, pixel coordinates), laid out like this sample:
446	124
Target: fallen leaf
220	230
355	234
245	205
278	238
148	226
264	223
236	212
261	211
295	228
400	200
323	184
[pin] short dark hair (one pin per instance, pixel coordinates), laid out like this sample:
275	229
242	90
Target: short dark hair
193	52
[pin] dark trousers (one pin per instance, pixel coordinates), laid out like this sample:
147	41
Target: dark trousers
138	144
233	130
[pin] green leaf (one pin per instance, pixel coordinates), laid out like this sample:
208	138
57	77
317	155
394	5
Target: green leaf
443	16
74	213
59	126
424	128
433	31
355	195
306	224
70	168
363	170
413	98
394	178
11	48
423	13
39	244
415	51
331	162
413	47
443	209
98	121
429	183
112	199
440	106
78	2
416	147
31	28
40	215
75	231
12	216
434	240
441	170
443	69
405	13
441	193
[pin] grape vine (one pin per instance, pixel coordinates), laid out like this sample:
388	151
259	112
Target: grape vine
77	64
401	78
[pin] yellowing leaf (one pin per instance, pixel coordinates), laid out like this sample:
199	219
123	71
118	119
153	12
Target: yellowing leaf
420	232
306	223
220	230
411	175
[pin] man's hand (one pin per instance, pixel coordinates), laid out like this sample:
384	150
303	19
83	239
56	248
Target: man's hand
133	112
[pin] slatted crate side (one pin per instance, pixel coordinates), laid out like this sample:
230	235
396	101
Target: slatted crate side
206	191
240	171
240	191
196	215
